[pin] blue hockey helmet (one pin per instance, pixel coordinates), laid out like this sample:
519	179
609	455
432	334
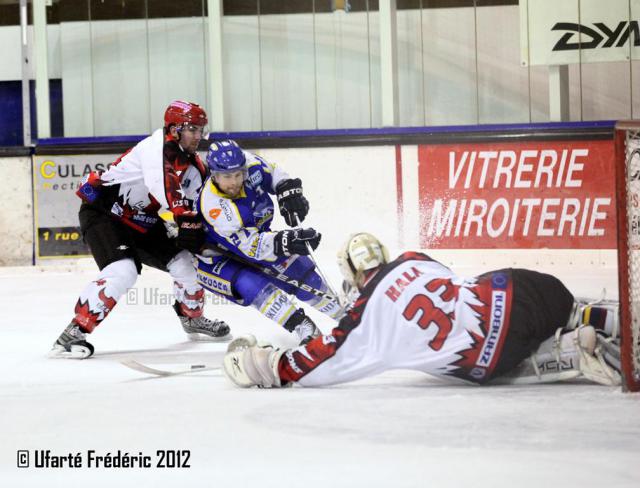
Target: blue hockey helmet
226	156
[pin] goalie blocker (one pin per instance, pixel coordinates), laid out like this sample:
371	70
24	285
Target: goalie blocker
415	313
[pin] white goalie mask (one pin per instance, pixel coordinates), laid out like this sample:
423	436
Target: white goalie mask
361	253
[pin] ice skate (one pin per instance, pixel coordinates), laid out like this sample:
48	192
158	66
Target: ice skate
71	344
203	329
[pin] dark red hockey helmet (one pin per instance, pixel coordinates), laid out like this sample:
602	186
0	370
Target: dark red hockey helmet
179	113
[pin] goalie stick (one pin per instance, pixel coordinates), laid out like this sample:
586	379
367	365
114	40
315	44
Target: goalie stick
193	368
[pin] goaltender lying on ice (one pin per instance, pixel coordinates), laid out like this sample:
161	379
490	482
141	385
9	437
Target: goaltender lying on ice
505	326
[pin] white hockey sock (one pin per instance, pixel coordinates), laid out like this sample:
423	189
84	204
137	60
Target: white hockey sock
186	289
99	297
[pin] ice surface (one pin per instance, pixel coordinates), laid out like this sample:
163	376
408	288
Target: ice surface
400	429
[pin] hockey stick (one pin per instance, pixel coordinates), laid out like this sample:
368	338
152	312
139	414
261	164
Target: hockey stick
193	368
312	256
275	274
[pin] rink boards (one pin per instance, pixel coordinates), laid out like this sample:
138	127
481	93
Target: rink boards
545	203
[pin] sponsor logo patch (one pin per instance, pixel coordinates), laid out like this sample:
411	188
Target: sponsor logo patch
275	308
499	281
255	178
478	373
496	321
292	362
217	268
117	209
227	211
213	283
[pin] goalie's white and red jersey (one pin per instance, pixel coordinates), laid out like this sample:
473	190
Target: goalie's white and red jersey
414	314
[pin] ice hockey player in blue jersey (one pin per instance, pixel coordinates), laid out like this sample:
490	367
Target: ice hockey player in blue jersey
236	205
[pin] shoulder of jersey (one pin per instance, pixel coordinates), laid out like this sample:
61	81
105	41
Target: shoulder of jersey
149	146
257	170
253	159
154	140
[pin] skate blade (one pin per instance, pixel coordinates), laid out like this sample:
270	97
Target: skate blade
77	352
197	337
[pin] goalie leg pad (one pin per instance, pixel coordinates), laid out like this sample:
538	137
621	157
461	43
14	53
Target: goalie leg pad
554	360
565	356
253	366
609	349
603	366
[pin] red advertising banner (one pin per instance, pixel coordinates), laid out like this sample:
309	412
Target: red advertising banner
527	195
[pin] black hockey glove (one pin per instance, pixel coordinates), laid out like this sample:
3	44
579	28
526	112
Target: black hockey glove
292	201
288	242
190	232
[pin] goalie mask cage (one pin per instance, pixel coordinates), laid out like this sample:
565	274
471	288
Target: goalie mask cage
627	155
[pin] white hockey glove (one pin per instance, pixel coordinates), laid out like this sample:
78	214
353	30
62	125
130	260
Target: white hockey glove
242	342
247	364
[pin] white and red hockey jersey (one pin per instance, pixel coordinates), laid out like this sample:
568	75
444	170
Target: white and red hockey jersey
155	175
414	314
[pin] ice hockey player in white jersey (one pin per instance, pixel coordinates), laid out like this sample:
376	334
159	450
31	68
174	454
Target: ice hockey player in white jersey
508	326
236	203
120	222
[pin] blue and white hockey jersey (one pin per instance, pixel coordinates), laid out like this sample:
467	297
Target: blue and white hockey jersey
243	224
